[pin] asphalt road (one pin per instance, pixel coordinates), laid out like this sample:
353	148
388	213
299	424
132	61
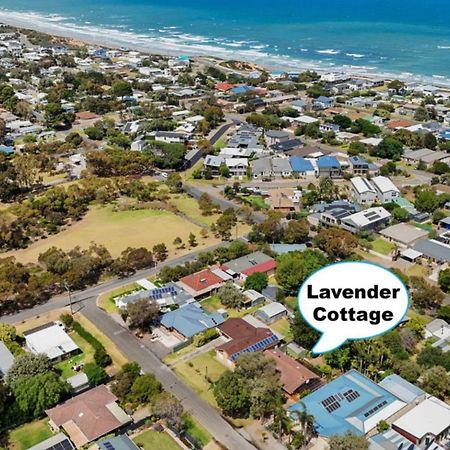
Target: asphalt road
138	351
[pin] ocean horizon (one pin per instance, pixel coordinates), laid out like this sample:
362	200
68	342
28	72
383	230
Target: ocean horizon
408	39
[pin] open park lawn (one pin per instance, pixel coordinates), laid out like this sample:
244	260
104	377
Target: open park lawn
152	440
28	435
117	231
195	371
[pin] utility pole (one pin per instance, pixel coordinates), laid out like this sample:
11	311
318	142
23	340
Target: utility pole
70	296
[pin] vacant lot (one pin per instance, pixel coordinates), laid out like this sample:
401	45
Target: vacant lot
117	231
382	246
199	372
28	435
150	440
189	206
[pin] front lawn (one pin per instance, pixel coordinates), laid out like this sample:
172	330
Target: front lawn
283	327
196	430
28	435
382	246
151	440
213	303
256	201
199	372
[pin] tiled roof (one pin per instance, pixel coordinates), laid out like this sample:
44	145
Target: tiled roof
201	280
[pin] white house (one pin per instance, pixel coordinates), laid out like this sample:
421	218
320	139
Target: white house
363	191
386	189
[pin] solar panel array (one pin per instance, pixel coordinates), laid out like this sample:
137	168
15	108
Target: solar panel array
63	445
261	345
376	408
351	395
157	294
333	402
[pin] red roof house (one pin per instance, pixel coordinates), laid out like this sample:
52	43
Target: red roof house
201	283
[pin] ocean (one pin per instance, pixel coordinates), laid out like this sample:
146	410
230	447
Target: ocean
409	38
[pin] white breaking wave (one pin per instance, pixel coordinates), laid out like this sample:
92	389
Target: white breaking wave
168	41
355	55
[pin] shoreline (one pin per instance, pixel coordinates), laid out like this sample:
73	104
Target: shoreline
115	39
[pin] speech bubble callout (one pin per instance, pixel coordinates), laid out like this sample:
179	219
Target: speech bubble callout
351	301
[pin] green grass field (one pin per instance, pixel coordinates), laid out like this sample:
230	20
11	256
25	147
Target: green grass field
213	303
151	440
382	246
117	231
189	206
194	372
196	430
256	201
283	327
28	435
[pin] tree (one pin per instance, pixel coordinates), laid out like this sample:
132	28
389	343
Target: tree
122	89
425	295
409	370
28	366
145	388
303	334
307	424
160	252
206	204
421	114
167	406
96	375
232	393
389	148
436	381
440	168
444	280
192	240
174	183
101	357
36	394
8	335
431	357
141	314
348	441
296	231
443	313
293	268
230	296
343	121
123	381
336	242
427	201
225	224
257	281
27	170
224	171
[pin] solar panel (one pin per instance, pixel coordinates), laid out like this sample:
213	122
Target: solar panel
351	395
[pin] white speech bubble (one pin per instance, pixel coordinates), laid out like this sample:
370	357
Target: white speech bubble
351	300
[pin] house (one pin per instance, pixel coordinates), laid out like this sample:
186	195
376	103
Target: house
190	320
295	377
6	360
402	389
249	264
281	167
275	137
301	167
323	102
349	403
252	298
329	128
57	442
286	146
214	163
403	234
281	200
121	442
243	338
329	166
170	137
359	166
138	145
370	219
192	156
427	423
51	340
262	168
391	440
299	105
271	312
331	214
237	166
439	330
201	283
281	249
445	223
89	416
386	189
362	191
434	250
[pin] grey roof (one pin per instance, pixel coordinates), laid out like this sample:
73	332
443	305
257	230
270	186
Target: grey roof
404	233
6	359
57	442
434	249
281	165
402	389
277	134
262	165
245	262
122	442
280	249
78	380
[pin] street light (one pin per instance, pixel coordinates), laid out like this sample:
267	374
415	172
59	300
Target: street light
67	287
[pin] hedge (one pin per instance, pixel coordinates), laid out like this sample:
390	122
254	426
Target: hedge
101	356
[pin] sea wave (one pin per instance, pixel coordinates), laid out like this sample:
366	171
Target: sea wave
170	41
355	55
443	47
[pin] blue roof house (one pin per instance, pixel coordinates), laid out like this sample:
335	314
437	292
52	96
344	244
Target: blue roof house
190	320
351	402
323	102
301	166
329	166
6	149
